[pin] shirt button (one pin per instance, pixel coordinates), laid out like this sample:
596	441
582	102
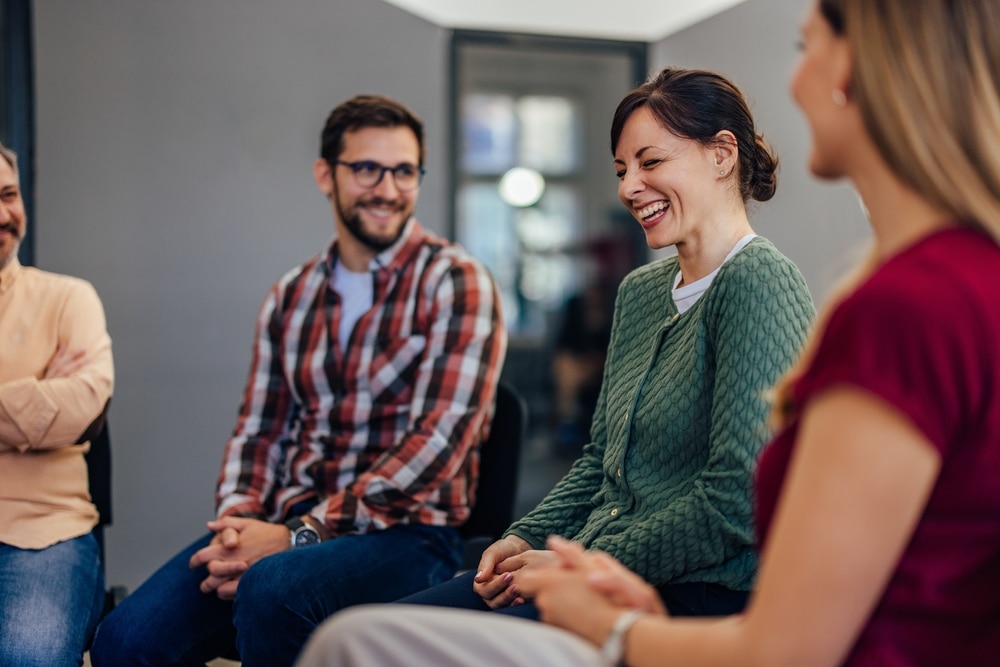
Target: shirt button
614	512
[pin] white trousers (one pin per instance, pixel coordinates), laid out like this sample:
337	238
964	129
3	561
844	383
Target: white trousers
392	635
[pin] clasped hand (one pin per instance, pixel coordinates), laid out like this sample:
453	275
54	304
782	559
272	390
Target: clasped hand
586	591
237	544
501	566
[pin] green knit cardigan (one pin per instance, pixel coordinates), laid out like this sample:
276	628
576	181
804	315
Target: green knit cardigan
665	484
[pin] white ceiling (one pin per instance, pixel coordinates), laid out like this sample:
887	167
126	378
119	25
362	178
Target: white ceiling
633	20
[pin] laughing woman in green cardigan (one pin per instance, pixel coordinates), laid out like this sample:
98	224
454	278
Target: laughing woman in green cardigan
664	485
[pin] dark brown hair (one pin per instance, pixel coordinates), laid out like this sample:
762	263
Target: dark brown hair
366	111
697	105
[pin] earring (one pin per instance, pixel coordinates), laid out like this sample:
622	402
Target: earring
839	97
721	172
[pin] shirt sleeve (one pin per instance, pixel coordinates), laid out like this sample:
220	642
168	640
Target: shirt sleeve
758	322
251	459
453	400
38	413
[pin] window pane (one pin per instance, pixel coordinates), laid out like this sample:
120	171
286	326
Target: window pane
544	278
547	233
488	127
486	230
549	131
553	223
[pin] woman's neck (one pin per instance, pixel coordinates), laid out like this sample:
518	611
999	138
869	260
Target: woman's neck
705	252
899	216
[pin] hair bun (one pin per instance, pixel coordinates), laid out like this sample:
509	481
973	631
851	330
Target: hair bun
761	171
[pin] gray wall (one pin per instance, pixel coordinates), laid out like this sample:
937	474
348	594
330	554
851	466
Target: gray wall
175	149
175	141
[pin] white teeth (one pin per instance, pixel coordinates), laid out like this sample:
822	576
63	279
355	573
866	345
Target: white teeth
652	209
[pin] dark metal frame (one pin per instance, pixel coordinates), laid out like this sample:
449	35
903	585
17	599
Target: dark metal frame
17	104
637	52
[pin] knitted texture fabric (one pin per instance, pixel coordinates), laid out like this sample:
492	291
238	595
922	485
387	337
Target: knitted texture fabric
665	484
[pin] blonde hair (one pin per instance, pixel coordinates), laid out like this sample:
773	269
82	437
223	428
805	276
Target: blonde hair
927	81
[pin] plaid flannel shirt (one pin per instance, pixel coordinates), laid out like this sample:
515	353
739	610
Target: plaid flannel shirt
386	431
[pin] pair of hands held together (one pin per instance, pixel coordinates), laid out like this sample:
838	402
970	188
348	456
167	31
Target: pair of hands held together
581	591
238	543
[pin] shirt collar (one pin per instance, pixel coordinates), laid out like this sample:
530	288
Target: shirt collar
394	258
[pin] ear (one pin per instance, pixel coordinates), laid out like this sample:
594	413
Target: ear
842	67
324	176
725	152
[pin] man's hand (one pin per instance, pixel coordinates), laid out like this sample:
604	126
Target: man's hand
66	362
238	544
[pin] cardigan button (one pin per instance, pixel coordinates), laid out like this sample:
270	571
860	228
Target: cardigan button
614	512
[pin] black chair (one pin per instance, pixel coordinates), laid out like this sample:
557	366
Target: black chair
499	461
99	477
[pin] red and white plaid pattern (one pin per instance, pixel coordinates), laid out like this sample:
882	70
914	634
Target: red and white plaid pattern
380	433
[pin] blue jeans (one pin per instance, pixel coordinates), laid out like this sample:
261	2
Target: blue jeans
168	621
50	602
692	599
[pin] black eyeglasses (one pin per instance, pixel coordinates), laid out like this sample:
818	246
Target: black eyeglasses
369	174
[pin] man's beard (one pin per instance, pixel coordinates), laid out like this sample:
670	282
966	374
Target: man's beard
356	227
14	232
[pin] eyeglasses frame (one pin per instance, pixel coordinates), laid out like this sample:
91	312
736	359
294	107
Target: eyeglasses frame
353	166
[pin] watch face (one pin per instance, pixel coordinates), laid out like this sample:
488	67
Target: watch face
305	536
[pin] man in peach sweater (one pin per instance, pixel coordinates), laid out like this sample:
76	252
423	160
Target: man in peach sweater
56	378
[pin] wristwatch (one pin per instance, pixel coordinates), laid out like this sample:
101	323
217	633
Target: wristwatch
303	535
613	650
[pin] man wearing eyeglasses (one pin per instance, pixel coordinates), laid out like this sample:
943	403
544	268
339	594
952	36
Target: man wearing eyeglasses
372	379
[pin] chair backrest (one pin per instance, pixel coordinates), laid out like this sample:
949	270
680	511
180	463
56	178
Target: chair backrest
99	477
499	461
99	473
98	460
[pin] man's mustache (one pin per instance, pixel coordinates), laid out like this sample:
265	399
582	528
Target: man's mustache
379	202
14	231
